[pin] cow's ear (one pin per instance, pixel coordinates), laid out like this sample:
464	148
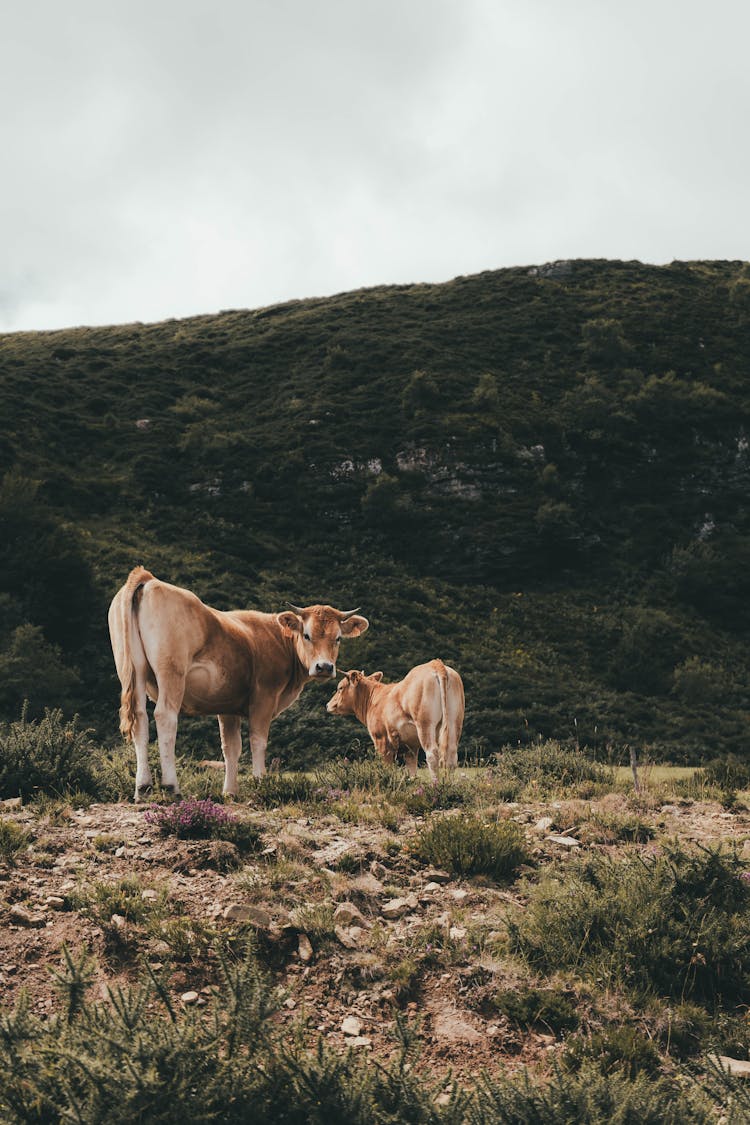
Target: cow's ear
376	676
354	626
290	623
354	677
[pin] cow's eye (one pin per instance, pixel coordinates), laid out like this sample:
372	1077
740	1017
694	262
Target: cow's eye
306	636
338	640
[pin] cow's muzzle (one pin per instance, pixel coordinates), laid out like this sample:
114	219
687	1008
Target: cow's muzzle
322	670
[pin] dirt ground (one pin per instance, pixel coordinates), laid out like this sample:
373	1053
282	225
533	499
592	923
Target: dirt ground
346	980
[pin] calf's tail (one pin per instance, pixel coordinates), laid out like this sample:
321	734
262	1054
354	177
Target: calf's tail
445	726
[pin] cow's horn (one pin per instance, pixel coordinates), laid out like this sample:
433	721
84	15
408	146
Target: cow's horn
350	613
296	608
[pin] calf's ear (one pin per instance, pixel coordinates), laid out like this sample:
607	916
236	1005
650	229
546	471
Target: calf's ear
377	676
354	626
290	623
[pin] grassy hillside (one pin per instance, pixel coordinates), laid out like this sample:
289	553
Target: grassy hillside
540	475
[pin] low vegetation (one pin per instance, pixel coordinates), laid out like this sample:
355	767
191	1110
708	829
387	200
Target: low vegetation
594	975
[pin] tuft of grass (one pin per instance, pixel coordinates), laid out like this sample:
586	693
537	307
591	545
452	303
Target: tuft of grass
276	789
101	899
13	839
469	846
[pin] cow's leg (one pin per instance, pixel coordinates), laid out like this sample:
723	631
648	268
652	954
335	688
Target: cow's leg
428	740
385	749
166	711
260	722
143	779
231	748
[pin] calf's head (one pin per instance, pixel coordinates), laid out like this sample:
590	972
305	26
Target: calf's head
344	702
317	632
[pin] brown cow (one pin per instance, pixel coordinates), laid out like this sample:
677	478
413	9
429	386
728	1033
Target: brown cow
424	709
186	656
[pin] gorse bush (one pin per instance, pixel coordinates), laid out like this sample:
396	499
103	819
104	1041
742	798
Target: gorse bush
136	1057
48	755
469	846
623	1049
676	925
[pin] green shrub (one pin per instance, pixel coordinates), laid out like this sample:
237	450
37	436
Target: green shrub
425	797
622	1049
46	755
469	846
676	925
548	767
729	773
527	1007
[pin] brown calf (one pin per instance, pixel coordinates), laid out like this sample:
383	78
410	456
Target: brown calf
187	657
424	709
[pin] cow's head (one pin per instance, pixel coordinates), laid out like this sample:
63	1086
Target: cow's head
345	700
317	632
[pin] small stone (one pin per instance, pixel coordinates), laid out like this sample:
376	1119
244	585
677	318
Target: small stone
190	997
118	921
458	894
367	884
290	1003
24	917
457	933
255	915
149	895
54	902
345	937
431	887
120	852
740	1068
359	1041
395	908
346	913
351	1025
436	875
564	841
544	824
12	802
304	948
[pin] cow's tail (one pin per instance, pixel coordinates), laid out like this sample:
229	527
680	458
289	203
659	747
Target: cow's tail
445	727
128	608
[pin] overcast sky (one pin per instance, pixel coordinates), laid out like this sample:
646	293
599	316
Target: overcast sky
178	156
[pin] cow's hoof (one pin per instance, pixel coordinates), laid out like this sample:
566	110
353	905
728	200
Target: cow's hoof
143	793
230	796
171	792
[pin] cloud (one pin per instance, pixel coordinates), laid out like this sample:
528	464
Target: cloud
172	159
